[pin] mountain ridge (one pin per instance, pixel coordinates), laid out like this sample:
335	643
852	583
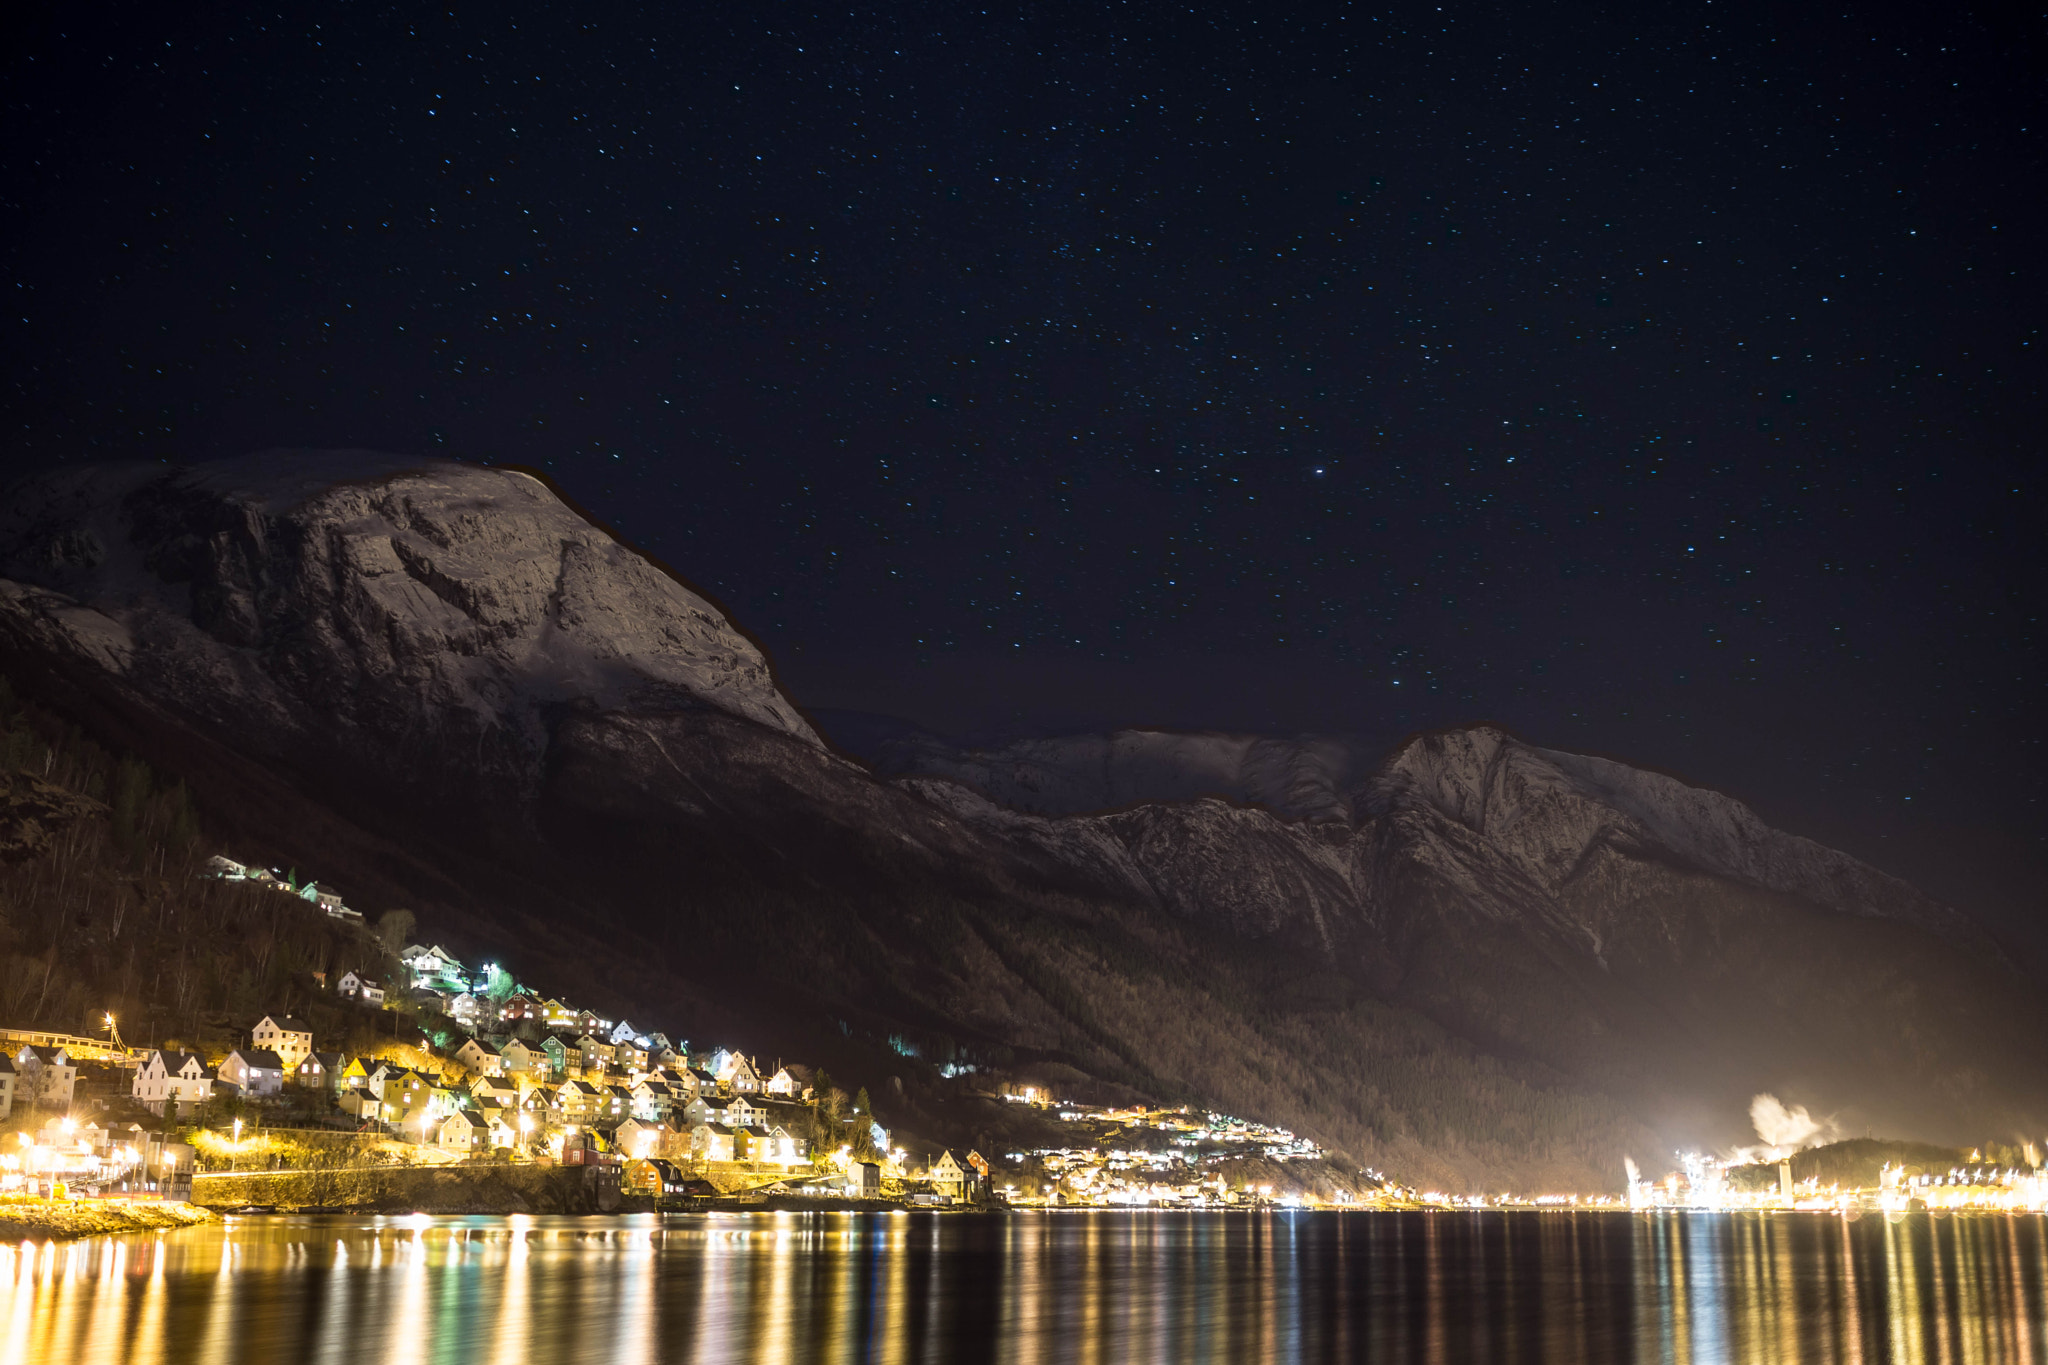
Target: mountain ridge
1480	958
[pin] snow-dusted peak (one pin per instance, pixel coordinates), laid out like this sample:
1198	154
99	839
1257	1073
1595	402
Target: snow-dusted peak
1546	808
400	592
1087	772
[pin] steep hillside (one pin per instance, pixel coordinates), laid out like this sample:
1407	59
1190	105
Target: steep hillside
1480	962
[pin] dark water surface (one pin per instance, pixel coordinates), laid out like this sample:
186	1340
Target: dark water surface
1076	1286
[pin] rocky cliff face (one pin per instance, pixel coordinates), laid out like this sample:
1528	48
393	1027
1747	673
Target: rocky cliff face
1477	959
395	614
1310	777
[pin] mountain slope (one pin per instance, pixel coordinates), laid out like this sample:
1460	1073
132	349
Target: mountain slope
1480	962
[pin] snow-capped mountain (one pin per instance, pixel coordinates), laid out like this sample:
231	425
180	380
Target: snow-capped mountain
1474	957
349	598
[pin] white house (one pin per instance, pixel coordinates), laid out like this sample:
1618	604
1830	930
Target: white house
290	1039
7	1077
481	1058
356	987
782	1083
781	1148
465	1130
434	966
639	1138
257	1071
172	1083
47	1075
521	1059
948	1177
742	1078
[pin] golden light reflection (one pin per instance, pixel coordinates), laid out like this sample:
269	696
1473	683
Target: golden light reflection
1043	1287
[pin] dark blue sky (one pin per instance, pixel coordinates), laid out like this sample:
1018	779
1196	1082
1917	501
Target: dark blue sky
1659	381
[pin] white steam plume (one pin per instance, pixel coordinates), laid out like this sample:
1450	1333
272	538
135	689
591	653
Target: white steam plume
1785	1129
1635	1175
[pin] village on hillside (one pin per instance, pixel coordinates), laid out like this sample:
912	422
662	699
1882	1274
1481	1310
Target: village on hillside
504	1073
473	1069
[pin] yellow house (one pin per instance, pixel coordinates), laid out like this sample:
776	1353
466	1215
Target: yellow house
291	1040
948	1177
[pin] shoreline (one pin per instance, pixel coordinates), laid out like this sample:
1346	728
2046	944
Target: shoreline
63	1220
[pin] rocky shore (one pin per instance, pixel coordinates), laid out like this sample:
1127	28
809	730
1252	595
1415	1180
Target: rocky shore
39	1220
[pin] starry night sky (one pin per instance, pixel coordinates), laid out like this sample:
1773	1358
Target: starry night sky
1663	381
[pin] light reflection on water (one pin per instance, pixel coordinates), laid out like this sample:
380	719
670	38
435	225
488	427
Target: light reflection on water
1067	1287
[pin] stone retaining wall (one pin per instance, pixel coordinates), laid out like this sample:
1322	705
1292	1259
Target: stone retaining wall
413	1189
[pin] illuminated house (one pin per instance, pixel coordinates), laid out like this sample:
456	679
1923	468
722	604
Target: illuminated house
653	1176
576	1101
595	1054
434	968
639	1138
464	1131
495	1090
652	1099
717	1142
172	1083
948	1177
256	1072
320	1071
46	1076
354	986
614	1102
521	1059
291	1040
780	1148
480	1057
522	1008
7	1076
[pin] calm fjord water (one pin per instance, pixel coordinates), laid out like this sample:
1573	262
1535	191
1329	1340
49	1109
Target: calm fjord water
1441	1287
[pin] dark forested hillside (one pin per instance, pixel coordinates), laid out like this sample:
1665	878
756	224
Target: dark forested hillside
104	908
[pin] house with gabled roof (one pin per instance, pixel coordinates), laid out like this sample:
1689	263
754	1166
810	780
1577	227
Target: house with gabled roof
948	1177
320	1071
480	1057
356	986
596	1055
502	1089
434	967
46	1076
637	1137
525	1059
289	1038
172	1083
254	1071
717	1142
782	1148
652	1099
465	1130
576	1101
